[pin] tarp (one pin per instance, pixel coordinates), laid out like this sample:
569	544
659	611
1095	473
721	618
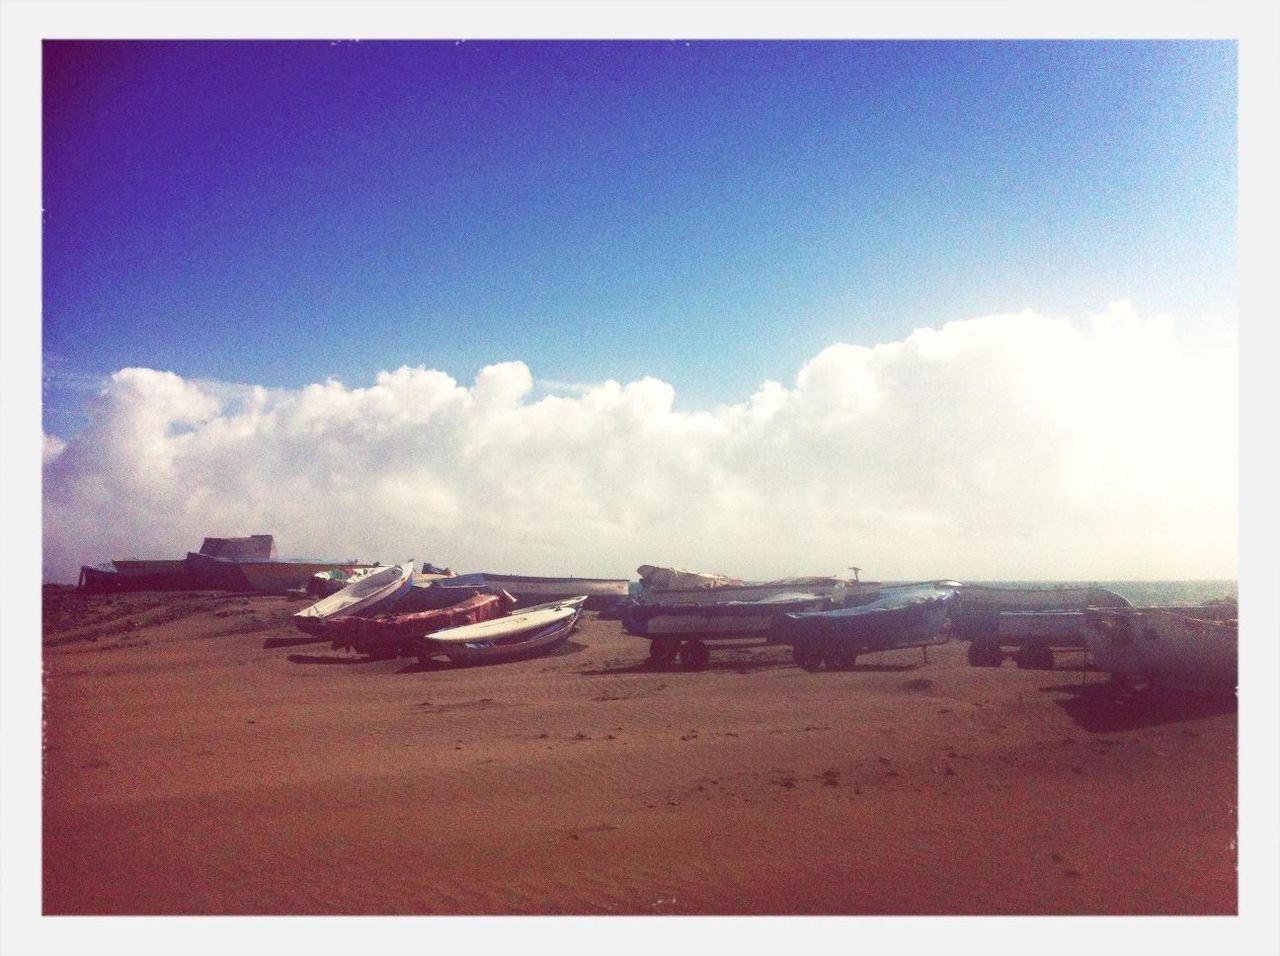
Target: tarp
256	547
671	579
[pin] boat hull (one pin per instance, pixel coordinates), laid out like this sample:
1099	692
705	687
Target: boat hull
722	619
365	596
216	574
155	575
398	634
532	643
1186	648
979	612
901	617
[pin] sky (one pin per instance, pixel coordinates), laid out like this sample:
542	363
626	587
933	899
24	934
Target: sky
768	307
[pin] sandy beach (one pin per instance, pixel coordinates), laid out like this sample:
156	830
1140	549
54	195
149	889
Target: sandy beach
200	759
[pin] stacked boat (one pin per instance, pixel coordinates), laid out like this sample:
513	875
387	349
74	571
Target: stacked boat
393	613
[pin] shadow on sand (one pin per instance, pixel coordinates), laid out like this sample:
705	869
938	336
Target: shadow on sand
1101	708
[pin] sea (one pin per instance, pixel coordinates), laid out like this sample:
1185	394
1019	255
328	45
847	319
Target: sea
1144	593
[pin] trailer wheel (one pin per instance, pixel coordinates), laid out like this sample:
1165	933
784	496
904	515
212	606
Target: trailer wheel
806	655
694	655
985	655
662	652
1036	657
840	657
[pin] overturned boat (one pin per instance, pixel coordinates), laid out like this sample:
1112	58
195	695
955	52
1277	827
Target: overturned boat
366	595
527	633
900	616
1191	648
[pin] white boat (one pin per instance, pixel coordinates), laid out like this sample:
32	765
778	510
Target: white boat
1184	648
527	633
366	595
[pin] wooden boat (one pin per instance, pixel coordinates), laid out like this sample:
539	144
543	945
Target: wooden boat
527	589
1183	648
684	629
527	633
901	616
400	634
366	595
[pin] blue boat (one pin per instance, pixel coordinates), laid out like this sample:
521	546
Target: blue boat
909	615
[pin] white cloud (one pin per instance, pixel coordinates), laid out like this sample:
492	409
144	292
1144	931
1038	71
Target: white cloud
1007	446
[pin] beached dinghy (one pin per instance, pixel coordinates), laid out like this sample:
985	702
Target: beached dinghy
901	616
363	596
530	632
1183	648
400	634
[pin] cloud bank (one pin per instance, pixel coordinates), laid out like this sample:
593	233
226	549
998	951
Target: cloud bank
1011	446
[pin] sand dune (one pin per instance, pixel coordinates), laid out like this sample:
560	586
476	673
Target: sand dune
201	759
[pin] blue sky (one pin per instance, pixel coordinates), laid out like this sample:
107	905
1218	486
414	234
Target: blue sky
712	214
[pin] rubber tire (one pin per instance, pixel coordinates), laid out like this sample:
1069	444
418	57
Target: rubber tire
840	657
662	652
1034	658
806	655
985	655
694	655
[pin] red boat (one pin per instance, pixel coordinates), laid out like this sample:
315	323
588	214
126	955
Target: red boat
400	635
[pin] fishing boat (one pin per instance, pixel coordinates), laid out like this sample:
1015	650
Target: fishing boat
527	589
1031	621
684	629
1182	648
526	633
400	634
901	616
366	595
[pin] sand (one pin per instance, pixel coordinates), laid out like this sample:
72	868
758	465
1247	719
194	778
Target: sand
197	761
